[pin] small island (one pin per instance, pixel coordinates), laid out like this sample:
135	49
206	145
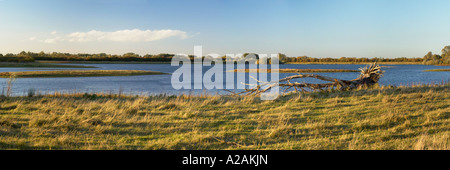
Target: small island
435	70
76	73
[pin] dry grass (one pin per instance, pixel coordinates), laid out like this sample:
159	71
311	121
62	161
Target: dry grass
76	73
385	118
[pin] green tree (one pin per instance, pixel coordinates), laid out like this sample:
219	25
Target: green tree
427	59
446	55
283	58
22	54
131	55
446	51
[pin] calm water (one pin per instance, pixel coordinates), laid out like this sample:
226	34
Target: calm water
161	84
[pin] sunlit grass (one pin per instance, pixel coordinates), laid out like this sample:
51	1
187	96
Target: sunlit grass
384	118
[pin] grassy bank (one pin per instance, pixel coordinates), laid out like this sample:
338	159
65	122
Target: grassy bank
102	62
76	73
294	70
388	118
387	63
46	65
437	70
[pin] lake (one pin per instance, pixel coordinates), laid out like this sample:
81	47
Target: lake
161	84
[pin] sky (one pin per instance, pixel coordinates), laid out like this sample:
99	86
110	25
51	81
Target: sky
315	28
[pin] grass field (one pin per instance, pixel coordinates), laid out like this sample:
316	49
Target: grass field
281	70
76	73
386	118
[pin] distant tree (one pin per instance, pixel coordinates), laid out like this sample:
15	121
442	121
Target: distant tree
10	55
446	55
252	54
427	58
131	55
282	58
446	51
101	55
23	53
431	59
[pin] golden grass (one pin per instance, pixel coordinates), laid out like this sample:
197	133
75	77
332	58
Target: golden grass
76	73
404	118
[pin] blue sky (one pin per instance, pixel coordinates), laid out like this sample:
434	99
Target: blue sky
316	28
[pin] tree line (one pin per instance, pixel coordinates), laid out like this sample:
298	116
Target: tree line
306	59
428	59
433	59
55	56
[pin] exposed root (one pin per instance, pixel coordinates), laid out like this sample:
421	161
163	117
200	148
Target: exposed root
369	76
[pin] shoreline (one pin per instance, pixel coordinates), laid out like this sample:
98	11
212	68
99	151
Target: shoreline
76	73
146	62
353	63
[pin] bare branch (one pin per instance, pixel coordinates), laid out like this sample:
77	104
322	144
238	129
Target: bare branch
368	77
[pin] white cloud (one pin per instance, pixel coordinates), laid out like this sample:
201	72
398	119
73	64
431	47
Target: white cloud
126	35
32	38
53	40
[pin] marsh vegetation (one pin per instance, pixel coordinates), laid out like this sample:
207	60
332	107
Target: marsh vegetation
415	117
76	73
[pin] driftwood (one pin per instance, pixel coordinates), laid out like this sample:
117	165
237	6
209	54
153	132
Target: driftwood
369	76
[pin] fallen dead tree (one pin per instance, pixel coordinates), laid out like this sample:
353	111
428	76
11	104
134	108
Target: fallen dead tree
369	76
